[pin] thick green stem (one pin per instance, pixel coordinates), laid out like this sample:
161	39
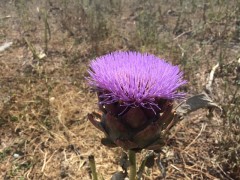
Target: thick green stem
132	163
93	167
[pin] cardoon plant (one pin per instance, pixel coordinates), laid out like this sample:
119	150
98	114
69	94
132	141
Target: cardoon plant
136	93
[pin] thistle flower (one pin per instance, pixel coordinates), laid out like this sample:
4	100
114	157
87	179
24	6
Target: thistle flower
136	93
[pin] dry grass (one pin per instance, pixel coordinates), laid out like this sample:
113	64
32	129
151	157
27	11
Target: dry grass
44	130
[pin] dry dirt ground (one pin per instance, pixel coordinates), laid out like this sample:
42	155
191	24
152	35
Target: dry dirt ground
44	102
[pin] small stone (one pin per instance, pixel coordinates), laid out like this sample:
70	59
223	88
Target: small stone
15	155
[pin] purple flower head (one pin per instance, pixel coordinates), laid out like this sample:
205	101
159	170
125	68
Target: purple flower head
134	79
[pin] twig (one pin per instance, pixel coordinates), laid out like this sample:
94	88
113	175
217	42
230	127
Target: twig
5	17
210	79
182	34
182	50
47	31
32	49
203	128
224	172
93	167
47	161
200	171
44	161
161	167
175	167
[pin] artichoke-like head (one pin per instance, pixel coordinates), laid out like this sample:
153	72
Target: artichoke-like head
136	93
